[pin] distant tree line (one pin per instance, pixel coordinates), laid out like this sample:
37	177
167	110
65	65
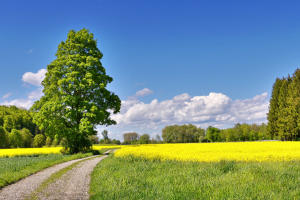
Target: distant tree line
135	138
190	133
284	109
182	134
106	139
18	131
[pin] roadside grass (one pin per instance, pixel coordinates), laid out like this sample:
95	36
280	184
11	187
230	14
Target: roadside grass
15	168
136	178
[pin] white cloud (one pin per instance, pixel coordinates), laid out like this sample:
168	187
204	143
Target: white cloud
143	92
21	103
215	109
6	95
36	94
25	102
34	78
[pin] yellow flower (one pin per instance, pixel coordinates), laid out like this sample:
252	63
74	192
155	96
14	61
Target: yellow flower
213	152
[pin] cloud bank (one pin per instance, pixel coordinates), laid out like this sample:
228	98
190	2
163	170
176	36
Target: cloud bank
215	109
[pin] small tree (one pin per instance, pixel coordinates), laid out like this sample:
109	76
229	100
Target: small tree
3	138
213	134
39	140
63	142
130	138
104	134
15	139
48	141
56	140
114	141
94	139
27	137
144	139
75	96
9	123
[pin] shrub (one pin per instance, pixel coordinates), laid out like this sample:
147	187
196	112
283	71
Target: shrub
63	142
39	140
48	141
26	137
3	138
15	139
56	140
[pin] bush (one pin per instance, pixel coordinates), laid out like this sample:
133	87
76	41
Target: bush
114	141
48	141
63	142
39	140
3	138
56	140
94	139
26	137
15	139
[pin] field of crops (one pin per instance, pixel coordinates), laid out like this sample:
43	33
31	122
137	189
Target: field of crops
39	151
198	152
214	152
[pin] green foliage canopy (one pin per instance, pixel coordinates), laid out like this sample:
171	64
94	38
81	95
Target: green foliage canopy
15	138
39	140
75	96
284	110
3	138
182	134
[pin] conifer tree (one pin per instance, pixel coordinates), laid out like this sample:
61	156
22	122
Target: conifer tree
273	109
293	105
283	112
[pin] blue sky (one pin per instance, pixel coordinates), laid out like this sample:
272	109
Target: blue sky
218	57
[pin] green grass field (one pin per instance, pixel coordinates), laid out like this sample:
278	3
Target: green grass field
16	168
132	178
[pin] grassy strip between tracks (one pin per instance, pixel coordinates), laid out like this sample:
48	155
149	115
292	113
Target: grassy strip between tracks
58	175
54	177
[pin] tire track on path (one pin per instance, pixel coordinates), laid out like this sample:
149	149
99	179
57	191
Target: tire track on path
25	187
74	184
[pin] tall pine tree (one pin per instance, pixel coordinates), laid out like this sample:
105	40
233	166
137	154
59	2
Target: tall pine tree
283	113
273	109
293	106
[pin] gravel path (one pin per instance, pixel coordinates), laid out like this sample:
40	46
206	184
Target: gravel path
23	188
72	185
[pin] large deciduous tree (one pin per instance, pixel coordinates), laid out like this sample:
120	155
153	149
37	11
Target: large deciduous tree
75	96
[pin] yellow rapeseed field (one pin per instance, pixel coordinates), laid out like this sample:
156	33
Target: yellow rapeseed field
198	152
28	151
213	152
38	151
